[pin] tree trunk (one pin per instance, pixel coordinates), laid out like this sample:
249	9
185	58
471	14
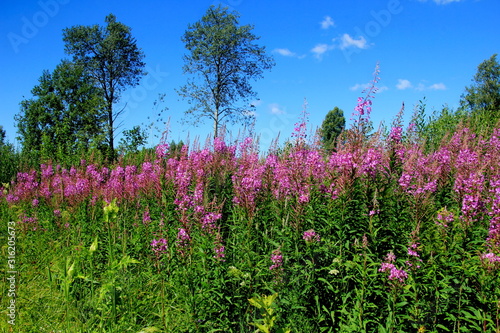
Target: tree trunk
216	122
111	148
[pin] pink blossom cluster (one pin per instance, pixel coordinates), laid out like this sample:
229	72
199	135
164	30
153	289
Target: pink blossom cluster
248	181
277	260
220	252
208	221
414	256
311	236
159	245
183	240
162	151
490	258
396	134
295	176
394	273
444	218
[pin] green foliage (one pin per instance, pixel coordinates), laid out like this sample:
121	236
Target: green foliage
266	305
482	98
9	159
175	148
65	116
378	237
331	128
112	58
2	136
479	107
441	124
224	57
132	140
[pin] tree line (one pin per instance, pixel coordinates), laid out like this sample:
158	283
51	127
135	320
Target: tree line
73	108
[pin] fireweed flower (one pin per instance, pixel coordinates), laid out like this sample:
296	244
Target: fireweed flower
396	134
162	151
208	221
394	273
444	218
386	267
398	274
412	250
277	259
391	257
30	222
159	245
490	258
183	240
220	252
414	256
310	236
146	218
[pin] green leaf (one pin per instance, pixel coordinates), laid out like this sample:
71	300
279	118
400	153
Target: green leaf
256	302
150	330
93	246
263	328
401	304
127	260
442	327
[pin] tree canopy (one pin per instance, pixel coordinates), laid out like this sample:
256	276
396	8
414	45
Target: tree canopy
331	128
66	113
113	60
482	99
224	58
132	140
479	107
2	136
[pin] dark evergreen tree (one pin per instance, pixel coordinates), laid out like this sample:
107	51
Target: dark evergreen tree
331	128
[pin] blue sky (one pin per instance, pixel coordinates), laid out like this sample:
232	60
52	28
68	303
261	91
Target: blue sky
325	52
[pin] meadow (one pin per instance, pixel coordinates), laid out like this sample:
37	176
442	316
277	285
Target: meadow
381	234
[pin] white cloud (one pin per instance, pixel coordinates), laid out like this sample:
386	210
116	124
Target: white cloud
327	23
320	49
403	84
420	87
285	52
347	41
437	86
275	108
288	53
359	86
363	86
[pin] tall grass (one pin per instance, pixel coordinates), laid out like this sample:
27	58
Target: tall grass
381	235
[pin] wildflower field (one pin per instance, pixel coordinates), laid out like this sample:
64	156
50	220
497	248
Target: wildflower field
379	235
